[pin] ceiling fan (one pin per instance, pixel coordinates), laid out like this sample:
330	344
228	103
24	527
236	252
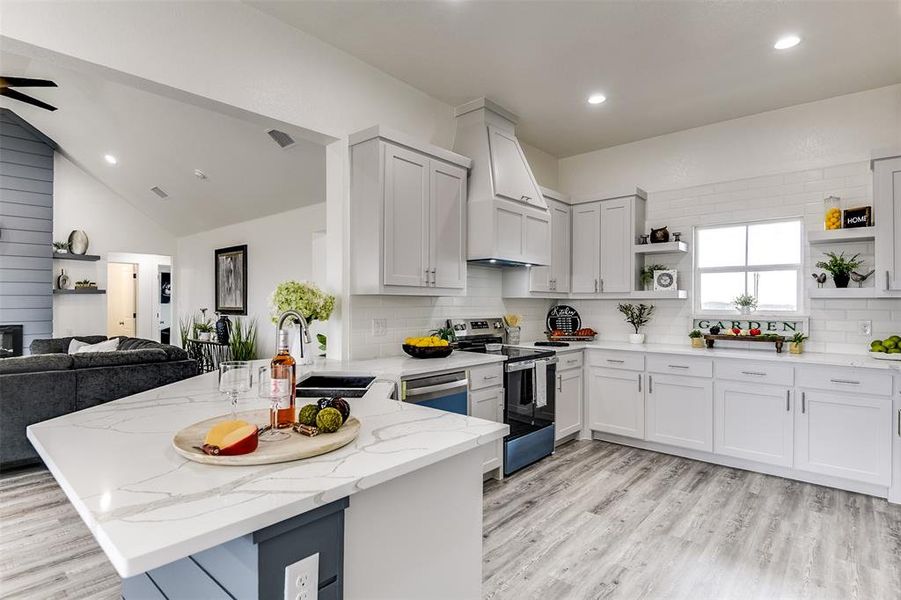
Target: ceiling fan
6	83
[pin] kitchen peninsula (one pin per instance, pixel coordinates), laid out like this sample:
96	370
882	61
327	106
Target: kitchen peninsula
397	513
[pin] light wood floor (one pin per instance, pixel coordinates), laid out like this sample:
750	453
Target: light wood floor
596	520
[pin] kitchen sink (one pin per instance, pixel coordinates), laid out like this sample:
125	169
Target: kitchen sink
319	385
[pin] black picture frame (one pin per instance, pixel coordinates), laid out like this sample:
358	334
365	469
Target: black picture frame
231	280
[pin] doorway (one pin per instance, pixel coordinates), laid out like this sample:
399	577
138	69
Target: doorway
165	313
121	303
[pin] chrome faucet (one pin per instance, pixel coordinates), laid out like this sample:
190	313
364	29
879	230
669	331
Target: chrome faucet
293	314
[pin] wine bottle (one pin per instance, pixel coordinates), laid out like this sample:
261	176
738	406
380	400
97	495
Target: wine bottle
282	374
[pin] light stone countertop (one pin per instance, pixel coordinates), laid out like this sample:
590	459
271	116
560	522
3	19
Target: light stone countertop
147	506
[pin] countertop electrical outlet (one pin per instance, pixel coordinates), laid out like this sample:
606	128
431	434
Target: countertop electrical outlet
865	327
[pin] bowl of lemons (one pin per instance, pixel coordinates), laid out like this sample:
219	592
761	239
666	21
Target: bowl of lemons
430	346
887	349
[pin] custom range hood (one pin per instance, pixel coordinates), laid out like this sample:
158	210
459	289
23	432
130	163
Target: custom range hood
509	223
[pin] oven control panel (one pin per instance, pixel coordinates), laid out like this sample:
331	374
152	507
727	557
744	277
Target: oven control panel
464	328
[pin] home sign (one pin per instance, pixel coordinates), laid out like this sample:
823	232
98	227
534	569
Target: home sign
764	325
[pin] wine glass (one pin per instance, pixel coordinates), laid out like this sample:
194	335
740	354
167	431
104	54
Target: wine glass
271	393
235	377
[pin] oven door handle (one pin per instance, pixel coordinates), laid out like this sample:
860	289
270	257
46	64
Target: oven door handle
529	364
461	384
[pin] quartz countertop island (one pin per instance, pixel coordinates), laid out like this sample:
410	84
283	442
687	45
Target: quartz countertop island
147	506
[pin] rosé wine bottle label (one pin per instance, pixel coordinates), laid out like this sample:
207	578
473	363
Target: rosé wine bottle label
280	391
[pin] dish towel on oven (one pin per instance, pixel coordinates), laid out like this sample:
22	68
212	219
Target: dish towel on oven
540	383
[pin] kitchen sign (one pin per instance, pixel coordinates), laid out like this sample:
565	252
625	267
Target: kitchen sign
780	326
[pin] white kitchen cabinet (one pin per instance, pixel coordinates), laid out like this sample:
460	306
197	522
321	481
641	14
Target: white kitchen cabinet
844	434
447	225
616	240
603	235
408	217
754	422
586	230
887	207
568	407
616	402
488	404
680	411
555	277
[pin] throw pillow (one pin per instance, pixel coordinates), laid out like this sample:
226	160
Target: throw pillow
76	347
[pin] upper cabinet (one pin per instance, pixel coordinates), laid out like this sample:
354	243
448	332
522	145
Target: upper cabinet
508	219
887	201
552	281
407	216
603	234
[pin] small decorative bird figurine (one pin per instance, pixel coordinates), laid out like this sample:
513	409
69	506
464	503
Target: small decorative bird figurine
861	278
820	278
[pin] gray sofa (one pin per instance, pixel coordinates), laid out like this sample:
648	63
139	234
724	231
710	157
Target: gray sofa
50	383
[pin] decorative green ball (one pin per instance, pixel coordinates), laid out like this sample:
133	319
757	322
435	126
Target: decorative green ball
329	420
307	415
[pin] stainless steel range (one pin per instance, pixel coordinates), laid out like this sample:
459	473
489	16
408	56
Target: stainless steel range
529	390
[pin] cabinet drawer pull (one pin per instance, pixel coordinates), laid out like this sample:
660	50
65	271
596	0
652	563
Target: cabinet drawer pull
639	385
677	366
595	285
788	400
572	361
758	373
899	422
560	383
848	381
615	361
887	286
489	377
803	402
650	384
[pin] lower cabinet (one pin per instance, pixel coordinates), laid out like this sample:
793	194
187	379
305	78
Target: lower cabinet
568	408
844	435
616	402
680	411
754	422
488	404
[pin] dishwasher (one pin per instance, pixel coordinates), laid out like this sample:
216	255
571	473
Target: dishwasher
448	391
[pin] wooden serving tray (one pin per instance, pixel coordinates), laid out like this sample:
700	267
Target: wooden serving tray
710	339
187	442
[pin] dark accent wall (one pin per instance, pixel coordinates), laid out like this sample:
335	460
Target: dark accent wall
26	227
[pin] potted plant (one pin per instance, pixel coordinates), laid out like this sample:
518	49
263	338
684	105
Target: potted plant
796	345
203	330
61	247
840	267
696	340
310	301
745	304
647	274
637	316
242	339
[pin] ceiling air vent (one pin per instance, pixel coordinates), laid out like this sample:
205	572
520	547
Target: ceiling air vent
159	191
281	138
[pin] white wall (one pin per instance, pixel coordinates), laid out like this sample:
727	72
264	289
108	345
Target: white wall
112	225
819	134
833	322
417	315
279	247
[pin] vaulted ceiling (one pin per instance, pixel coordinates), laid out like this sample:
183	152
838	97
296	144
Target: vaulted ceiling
160	141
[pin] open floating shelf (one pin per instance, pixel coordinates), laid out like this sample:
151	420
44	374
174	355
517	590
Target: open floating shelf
70	256
664	248
848	292
660	295
87	291
838	236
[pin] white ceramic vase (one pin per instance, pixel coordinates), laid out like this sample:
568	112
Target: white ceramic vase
204	336
636	338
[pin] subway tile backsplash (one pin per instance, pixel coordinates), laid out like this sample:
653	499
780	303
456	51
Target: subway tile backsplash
834	323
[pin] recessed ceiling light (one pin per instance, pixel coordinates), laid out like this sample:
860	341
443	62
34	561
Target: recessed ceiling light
111	159
596	98
786	42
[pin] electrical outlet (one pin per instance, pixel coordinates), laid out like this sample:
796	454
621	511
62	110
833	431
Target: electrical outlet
379	327
302	579
865	327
